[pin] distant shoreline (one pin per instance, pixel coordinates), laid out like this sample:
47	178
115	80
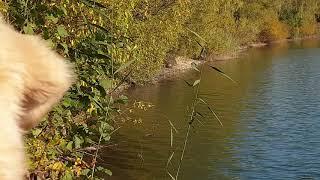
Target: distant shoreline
183	64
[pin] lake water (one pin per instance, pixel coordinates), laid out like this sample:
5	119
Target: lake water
271	121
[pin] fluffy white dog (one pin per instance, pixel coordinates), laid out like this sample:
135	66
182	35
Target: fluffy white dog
33	78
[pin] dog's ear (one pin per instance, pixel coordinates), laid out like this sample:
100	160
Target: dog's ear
33	78
48	77
37	102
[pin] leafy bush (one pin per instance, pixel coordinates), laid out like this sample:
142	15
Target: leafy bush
152	29
247	31
292	17
300	17
211	26
65	145
309	29
274	30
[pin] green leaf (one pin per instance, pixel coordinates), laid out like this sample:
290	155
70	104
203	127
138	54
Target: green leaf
90	141
172	126
69	145
198	113
68	175
124	66
106	83
99	168
222	73
169	159
106	126
64	10
36	132
194	66
52	19
210	109
196	82
171	176
189	84
107	171
106	137
196	34
28	29
122	99
67	102
62	31
65	47
101	43
85	172
171	137
85	128
104	130
77	141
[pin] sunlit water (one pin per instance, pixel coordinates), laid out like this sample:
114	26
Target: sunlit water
271	121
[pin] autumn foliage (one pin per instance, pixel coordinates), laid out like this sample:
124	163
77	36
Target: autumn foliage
274	30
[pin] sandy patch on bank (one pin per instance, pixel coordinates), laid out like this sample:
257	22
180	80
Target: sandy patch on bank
183	65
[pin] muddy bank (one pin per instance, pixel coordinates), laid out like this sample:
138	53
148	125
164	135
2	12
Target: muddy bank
183	64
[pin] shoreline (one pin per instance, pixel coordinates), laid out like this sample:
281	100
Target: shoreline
183	64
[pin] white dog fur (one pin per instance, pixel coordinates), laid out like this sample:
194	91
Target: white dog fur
33	78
